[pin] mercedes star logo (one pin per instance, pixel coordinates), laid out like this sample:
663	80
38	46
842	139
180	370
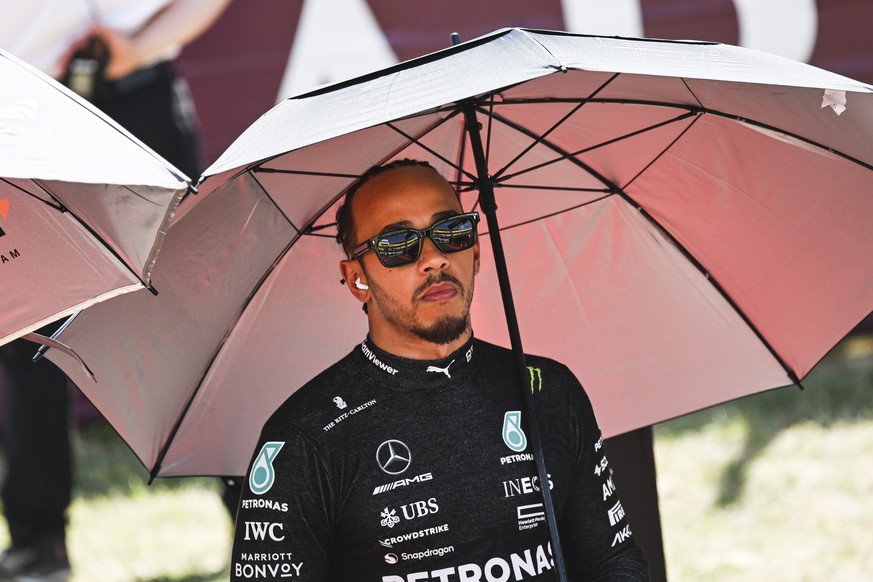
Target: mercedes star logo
393	457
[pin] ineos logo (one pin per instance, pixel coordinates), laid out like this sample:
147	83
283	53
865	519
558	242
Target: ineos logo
393	457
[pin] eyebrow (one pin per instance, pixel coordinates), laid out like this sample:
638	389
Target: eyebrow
402	224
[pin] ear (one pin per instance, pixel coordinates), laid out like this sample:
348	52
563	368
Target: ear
351	272
476	259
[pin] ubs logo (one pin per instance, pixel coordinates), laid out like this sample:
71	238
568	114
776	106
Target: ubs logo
393	457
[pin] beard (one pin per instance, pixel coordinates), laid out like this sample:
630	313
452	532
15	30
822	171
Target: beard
444	330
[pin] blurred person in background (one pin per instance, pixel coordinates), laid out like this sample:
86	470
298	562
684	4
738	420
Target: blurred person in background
119	55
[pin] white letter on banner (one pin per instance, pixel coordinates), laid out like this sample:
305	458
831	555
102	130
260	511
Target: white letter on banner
783	27
618	17
334	41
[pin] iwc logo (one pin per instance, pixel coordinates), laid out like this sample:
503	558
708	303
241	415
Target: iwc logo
262	475
393	457
513	436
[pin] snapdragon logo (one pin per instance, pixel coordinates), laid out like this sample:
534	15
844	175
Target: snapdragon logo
262	475
440	552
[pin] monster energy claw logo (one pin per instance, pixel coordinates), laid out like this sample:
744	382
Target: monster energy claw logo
513	436
536	379
262	475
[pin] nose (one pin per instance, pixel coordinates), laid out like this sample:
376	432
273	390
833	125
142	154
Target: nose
431	258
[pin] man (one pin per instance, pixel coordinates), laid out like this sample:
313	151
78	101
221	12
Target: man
407	460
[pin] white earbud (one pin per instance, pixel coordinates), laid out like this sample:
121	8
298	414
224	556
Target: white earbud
360	285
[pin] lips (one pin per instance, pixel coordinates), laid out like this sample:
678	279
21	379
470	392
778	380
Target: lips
439	292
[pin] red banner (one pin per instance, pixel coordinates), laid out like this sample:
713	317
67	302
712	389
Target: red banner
264	50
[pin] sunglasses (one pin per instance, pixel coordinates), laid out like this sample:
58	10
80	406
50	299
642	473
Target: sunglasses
401	247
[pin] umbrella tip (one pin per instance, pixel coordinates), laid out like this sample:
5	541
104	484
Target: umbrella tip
456	39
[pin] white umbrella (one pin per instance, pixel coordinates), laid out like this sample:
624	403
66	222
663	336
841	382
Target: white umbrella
684	224
83	204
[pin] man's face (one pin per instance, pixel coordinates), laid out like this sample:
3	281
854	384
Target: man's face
428	299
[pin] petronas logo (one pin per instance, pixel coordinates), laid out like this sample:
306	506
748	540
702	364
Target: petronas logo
262	475
513	436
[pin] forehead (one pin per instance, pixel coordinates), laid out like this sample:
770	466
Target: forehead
409	194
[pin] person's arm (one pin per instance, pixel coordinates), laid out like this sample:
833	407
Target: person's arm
179	23
284	524
595	533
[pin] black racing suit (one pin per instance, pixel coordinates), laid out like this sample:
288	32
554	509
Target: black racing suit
396	470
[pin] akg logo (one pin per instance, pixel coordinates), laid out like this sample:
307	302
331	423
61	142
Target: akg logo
393	457
262	475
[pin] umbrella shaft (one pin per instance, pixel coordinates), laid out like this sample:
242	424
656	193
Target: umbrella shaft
489	207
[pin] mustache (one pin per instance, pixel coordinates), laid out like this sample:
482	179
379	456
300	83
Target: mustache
434	279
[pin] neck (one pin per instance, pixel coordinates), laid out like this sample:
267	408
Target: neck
411	346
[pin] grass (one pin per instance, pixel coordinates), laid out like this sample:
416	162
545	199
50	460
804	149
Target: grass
776	487
123	530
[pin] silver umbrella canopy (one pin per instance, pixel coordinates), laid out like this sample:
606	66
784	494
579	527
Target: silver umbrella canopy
83	205
684	224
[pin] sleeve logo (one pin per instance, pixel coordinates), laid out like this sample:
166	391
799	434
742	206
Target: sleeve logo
513	436
262	474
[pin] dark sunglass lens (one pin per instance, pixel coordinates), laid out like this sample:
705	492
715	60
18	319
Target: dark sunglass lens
454	234
398	248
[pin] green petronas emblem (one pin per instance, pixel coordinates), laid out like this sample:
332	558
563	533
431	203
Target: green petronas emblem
262	474
513	436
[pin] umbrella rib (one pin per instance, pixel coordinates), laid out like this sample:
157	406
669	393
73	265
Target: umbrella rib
664	151
94	233
490	126
557	149
685	82
57	206
805	140
635	133
276	204
310	228
430	150
553	188
792	375
461	160
260	169
557	124
694	109
556	213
